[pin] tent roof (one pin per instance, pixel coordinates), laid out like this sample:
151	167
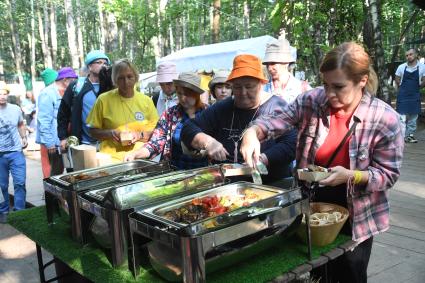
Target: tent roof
218	55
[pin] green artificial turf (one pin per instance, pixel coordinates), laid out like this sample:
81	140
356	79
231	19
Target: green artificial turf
91	261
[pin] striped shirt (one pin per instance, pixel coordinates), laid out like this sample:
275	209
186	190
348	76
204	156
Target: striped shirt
376	145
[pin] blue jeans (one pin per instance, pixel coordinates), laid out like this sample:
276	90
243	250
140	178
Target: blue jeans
409	120
13	162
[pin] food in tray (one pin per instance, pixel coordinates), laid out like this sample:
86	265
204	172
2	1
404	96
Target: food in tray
165	186
316	168
324	218
84	176
313	173
210	206
126	138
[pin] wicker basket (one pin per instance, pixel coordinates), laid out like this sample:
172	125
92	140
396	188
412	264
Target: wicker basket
324	234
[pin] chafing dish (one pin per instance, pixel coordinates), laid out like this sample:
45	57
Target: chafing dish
64	189
107	209
181	248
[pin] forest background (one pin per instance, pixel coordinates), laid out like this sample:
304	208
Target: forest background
36	34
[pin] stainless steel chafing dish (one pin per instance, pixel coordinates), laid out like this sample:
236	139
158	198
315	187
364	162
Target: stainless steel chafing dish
64	189
106	210
181	249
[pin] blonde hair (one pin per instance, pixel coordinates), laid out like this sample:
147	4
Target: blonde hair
121	65
354	61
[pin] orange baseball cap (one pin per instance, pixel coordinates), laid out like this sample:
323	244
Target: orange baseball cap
247	65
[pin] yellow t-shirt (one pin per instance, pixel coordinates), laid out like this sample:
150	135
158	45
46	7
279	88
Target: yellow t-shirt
112	111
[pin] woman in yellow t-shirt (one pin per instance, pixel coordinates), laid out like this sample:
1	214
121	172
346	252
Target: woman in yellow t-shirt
123	118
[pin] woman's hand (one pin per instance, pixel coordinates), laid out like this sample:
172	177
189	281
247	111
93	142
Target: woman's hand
115	135
250	147
339	175
130	156
215	150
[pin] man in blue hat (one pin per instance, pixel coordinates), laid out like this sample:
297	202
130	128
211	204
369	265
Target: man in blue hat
79	99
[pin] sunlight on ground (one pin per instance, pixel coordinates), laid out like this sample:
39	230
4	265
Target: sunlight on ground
10	249
412	188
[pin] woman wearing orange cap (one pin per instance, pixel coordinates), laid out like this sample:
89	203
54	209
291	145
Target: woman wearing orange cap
218	130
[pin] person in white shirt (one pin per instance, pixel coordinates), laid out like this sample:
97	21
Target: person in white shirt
165	74
410	77
282	83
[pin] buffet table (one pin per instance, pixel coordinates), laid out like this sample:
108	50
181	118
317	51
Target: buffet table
280	264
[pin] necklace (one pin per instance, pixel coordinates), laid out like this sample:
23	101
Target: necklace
237	138
127	114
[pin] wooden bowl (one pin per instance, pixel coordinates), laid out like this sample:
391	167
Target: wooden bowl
322	235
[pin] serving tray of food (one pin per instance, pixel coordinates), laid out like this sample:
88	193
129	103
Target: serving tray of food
189	233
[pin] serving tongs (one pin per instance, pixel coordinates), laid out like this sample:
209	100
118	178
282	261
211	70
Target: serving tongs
236	169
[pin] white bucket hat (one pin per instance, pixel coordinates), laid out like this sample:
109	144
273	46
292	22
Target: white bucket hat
219	77
279	51
189	80
166	72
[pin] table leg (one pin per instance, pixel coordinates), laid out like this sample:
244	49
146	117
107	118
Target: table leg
40	263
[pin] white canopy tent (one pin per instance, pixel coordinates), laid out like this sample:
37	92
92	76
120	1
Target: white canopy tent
218	55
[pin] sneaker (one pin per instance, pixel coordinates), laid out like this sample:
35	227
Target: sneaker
410	139
3	218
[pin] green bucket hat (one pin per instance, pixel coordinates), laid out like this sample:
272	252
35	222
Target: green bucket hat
49	76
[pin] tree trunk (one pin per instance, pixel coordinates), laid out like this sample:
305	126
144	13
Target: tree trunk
172	45
246	19
332	23
32	42
79	34
101	25
17	52
53	33
235	13
401	39
46	34
216	21
383	92
185	20
112	33
44	38
72	39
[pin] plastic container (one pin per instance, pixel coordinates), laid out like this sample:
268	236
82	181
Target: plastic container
322	235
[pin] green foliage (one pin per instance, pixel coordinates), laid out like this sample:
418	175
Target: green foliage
312	26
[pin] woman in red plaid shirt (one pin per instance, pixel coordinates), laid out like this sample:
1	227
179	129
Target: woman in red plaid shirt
367	164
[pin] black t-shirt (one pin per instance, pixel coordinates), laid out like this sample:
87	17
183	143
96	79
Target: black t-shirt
225	123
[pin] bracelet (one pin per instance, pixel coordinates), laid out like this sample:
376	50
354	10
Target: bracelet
357	176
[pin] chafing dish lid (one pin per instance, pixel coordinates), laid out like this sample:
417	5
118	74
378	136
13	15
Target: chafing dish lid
93	177
270	199
163	186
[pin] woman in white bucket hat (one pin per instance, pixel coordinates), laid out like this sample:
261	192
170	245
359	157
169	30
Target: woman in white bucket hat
282	83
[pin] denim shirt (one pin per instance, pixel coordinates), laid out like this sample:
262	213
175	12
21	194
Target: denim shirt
48	105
